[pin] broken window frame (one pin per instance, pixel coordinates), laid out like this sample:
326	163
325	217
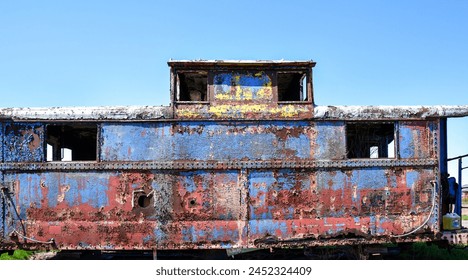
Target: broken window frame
369	144
246	71
177	87
95	149
304	98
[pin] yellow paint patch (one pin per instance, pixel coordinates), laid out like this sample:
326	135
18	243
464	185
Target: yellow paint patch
242	110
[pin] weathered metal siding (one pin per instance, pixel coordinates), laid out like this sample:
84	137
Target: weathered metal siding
330	140
101	209
23	142
220	209
249	111
240	206
289	204
417	139
207	141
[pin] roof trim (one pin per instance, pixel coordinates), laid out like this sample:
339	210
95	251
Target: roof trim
241	63
104	113
389	112
153	113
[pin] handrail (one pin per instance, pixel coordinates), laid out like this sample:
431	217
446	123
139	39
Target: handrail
459	157
458	197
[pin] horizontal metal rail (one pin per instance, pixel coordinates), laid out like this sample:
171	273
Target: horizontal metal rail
194	165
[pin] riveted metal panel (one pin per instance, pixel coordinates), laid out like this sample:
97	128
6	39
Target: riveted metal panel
294	204
206	141
128	209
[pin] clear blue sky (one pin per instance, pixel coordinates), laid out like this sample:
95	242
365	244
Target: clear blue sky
90	53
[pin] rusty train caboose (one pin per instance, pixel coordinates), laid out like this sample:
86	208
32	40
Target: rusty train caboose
242	158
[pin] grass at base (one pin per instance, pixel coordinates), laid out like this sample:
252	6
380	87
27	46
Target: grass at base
17	255
423	251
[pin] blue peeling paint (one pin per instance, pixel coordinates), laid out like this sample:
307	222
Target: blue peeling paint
24	142
75	189
160	235
370	178
411	178
286	182
29	192
330	140
191	234
202	141
300	145
331	180
407	146
94	191
267	227
82	188
225	245
259	181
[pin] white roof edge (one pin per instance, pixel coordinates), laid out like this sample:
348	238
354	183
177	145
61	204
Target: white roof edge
87	113
165	112
390	112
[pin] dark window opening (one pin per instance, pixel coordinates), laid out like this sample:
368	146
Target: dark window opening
192	86
71	142
370	140
292	86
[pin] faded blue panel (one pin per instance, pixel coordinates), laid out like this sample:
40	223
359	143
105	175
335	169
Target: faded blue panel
371	178
80	188
73	188
416	139
204	141
160	235
330	141
407	148
260	182
29	191
23	142
331	180
142	141
268	227
299	145
411	178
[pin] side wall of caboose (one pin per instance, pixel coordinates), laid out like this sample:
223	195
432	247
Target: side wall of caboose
218	184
